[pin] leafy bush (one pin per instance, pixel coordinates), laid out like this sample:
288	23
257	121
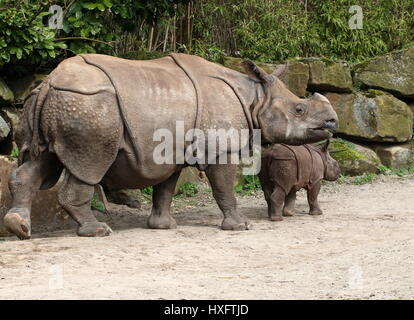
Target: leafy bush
248	186
274	30
97	205
15	152
365	178
188	189
147	191
23	35
88	26
265	30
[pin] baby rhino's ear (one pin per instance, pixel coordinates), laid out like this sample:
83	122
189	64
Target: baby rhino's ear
256	73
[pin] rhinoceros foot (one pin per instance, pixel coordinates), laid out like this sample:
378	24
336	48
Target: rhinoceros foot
162	221
315	212
17	225
288	212
276	217
94	229
235	224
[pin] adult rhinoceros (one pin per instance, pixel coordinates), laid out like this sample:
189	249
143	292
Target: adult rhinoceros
95	116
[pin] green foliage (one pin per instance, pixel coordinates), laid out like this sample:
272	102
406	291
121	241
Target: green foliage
188	189
23	35
248	186
365	178
147	191
342	150
88	26
97	205
274	30
264	30
399	172
208	51
15	152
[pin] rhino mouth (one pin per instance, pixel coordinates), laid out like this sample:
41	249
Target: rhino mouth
322	129
324	132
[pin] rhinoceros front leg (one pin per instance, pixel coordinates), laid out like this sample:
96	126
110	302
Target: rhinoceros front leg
289	209
75	197
314	208
221	177
24	182
162	195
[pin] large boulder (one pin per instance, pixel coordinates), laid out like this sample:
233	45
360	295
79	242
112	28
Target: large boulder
373	116
295	73
354	159
296	77
130	198
22	86
12	117
393	72
4	129
395	156
328	75
6	95
235	64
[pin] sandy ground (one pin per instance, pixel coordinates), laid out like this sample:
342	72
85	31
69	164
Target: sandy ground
361	248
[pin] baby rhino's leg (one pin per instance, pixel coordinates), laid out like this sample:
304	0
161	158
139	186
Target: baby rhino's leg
289	209
313	192
276	201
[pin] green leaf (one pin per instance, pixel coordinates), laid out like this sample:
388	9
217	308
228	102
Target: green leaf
90	5
107	3
51	53
100	7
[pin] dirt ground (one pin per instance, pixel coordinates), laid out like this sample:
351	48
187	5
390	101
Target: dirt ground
361	248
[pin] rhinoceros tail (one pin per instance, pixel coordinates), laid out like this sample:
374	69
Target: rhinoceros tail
34	148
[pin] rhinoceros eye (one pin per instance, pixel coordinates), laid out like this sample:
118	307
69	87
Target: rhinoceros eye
300	109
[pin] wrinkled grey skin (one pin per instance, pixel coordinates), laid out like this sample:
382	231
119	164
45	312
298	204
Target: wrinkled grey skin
72	122
283	174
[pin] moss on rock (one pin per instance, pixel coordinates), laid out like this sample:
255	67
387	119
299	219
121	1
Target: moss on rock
6	95
373	116
354	159
328	75
393	72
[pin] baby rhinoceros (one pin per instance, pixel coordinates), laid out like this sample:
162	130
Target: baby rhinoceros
287	169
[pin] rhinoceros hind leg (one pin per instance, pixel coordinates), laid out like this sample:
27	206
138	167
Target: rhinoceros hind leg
277	199
162	194
289	209
24	182
221	177
75	197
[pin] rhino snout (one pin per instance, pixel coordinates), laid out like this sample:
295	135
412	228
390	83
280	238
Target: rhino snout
331	124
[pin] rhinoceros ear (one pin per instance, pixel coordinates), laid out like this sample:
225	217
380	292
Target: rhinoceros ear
257	74
280	70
